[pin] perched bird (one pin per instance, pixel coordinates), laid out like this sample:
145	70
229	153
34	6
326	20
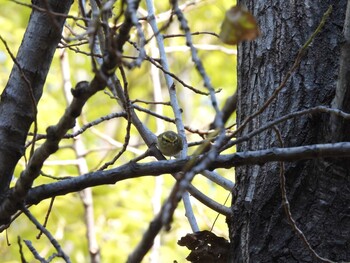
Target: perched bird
169	143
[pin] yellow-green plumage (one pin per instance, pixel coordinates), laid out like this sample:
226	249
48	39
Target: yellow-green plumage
170	143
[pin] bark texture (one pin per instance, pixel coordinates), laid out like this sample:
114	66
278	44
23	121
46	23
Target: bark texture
318	190
25	85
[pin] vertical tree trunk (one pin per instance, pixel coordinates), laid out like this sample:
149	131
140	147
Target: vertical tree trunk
318	191
26	82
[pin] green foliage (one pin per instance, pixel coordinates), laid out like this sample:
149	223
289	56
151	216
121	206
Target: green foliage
122	211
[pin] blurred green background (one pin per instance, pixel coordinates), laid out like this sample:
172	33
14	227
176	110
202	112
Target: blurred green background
122	211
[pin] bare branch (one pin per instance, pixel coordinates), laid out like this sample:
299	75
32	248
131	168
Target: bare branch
198	62
314	110
134	170
47	234
81	93
174	104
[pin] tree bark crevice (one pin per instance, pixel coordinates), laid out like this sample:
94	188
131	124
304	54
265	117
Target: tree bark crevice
316	189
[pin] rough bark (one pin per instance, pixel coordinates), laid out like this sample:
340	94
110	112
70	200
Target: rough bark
25	85
342	95
318	190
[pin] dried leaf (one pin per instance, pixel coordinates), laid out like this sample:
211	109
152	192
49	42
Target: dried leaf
205	247
239	25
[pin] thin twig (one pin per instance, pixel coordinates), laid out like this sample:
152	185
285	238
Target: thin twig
314	110
175	107
201	133
169	82
198	62
52	240
23	260
131	13
127	107
47	216
290	72
152	113
167	72
217	216
34	252
286	206
151	102
192	33
219	180
83	128
35	7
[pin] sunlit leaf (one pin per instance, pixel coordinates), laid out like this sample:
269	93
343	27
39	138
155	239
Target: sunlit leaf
239	25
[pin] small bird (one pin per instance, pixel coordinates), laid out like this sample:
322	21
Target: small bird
169	143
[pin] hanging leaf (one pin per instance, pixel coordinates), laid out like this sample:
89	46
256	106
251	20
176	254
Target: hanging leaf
205	247
239	25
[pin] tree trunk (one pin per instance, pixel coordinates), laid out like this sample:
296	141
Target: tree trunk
318	191
25	86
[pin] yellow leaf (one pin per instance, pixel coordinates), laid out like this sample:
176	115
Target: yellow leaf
239	25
